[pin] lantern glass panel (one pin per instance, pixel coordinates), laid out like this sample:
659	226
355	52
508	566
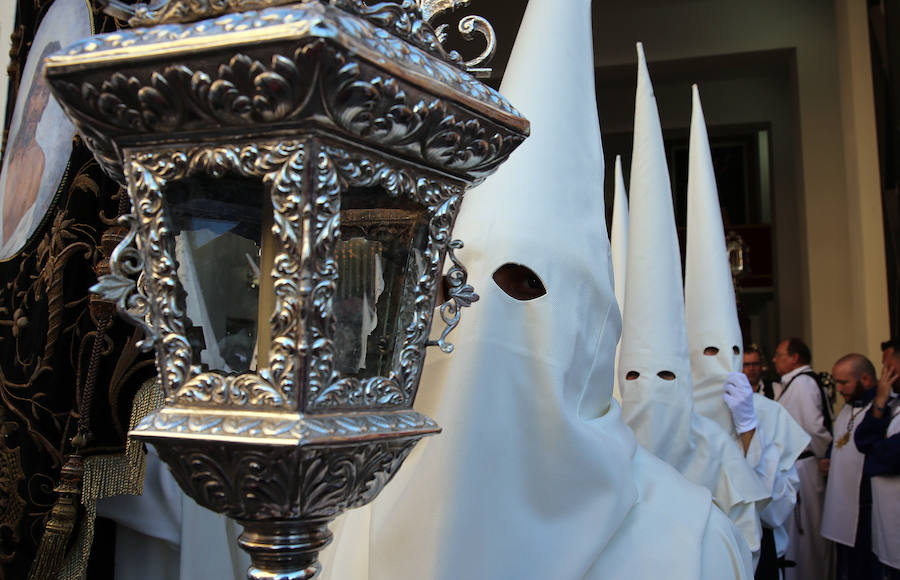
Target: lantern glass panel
217	227
380	258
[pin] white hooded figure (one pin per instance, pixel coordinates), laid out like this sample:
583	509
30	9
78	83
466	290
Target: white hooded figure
715	342
618	240
535	474
654	364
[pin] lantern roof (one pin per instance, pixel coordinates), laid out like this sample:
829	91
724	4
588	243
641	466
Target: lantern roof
283	69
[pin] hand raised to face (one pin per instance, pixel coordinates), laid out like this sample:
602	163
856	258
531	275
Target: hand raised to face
889	374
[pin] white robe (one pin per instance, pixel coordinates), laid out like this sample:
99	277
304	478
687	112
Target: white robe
840	515
776	444
654	541
164	535
694	445
807	547
886	506
775	464
803	400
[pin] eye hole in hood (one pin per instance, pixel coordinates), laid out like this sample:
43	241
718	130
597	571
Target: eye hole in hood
710	351
519	282
735	349
664	375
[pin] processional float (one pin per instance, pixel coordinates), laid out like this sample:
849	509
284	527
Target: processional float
294	171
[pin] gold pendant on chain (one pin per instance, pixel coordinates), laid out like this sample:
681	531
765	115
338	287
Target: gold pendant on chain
843	440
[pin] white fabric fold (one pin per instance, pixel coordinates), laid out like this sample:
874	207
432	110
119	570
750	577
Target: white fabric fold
783	440
618	241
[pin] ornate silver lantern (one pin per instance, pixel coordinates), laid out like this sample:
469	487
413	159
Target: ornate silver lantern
294	172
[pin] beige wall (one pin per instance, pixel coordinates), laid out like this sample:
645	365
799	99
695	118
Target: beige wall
864	209
830	263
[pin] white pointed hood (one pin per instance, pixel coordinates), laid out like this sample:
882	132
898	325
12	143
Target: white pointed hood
619	245
654	341
711	310
712	322
619	233
654	364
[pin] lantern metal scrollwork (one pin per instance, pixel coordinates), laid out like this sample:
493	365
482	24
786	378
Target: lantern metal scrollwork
294	172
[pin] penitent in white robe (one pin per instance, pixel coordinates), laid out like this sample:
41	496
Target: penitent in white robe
535	474
715	340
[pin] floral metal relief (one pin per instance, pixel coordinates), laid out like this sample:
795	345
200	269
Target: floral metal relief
239	89
289	428
461	295
280	165
339	169
261	483
403	20
406	19
295	343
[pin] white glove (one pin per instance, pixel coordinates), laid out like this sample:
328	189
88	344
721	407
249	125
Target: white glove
738	396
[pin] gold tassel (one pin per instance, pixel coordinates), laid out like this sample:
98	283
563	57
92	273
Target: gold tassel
51	551
109	475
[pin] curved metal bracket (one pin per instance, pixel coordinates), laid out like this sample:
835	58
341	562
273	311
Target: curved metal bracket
460	295
470	26
120	287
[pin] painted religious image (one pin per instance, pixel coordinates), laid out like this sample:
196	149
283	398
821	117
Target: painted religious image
40	136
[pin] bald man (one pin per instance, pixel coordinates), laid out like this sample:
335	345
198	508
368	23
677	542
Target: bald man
847	518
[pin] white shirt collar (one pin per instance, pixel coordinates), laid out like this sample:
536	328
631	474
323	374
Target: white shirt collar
785	379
